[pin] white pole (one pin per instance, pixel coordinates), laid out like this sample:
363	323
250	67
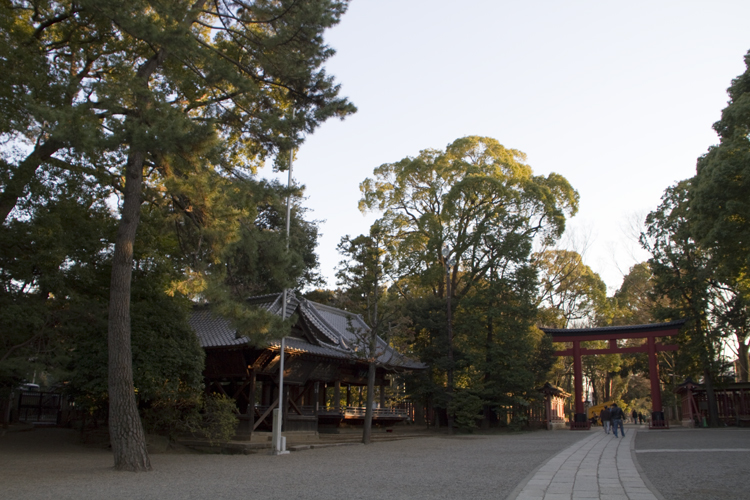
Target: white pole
279	445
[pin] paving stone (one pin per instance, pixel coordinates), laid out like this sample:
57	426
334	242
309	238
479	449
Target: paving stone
557	496
586	486
597	467
525	495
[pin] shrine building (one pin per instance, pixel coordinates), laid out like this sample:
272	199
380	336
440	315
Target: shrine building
322	359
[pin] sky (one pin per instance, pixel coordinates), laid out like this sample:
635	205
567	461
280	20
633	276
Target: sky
618	97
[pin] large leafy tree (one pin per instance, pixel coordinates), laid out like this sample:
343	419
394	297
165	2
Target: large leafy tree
177	94
682	275
720	212
476	197
55	273
484	203
720	207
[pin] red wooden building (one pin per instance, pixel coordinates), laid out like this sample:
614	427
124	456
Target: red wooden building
554	405
733	401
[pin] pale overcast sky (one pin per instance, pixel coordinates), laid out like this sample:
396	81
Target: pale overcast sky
618	97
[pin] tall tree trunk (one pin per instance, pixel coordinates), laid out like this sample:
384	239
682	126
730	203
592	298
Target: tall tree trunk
713	407
487	376
449	410
608	387
372	343
367	431
125	427
594	393
743	364
708	357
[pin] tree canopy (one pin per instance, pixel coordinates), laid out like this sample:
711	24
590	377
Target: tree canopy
720	207
484	203
168	104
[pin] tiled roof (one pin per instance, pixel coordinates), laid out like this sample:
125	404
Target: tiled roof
340	332
615	329
213	331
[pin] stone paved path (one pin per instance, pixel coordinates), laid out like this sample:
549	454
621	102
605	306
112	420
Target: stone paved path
600	466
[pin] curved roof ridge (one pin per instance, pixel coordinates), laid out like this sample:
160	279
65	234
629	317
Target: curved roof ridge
273	302
336	310
314	316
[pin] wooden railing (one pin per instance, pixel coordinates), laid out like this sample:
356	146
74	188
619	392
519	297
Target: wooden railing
359	412
344	411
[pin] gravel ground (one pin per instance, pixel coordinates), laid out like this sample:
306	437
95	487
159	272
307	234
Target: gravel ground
699	475
51	464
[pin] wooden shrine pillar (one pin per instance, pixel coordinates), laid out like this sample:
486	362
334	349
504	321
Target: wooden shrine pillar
578	379
316	397
653	371
323	396
348	394
337	396
251	401
548	410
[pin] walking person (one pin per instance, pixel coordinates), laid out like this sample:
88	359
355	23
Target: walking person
635	416
606	417
617	416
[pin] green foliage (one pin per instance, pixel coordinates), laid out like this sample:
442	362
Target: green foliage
219	418
188	412
634	302
466	408
167	358
682	275
570	292
485	204
501	352
476	197
720	208
253	260
720	213
173	416
52	264
174	105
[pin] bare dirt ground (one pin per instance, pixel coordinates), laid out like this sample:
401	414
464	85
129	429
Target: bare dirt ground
50	463
53	464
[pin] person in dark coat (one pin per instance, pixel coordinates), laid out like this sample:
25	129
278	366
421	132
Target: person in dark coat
635	416
617	418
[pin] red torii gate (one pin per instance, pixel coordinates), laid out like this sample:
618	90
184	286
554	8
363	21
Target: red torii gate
613	334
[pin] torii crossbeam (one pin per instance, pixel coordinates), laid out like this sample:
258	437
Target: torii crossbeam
612	334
